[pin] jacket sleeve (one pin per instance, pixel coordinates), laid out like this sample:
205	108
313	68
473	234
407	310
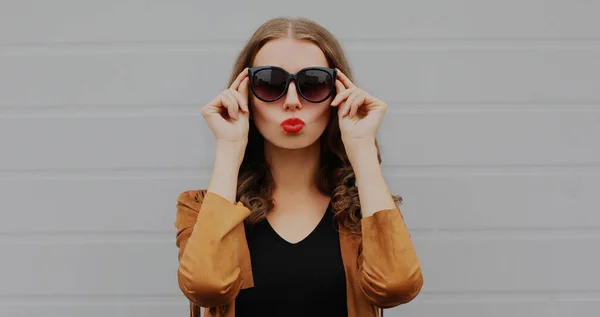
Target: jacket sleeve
389	270
213	253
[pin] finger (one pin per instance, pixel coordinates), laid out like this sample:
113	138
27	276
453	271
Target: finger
340	89
207	110
344	108
369	99
341	96
357	101
214	106
235	104
243	91
229	102
239	78
239	100
349	101
344	79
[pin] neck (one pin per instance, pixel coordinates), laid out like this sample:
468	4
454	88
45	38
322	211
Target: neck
294	171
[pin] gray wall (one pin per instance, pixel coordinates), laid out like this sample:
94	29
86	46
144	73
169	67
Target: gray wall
492	139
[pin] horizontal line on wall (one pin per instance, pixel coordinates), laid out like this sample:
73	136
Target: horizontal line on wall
394	107
517	233
426	296
84	300
89	237
476	44
486	169
101	174
510	296
99	47
104	174
417	234
201	174
456	108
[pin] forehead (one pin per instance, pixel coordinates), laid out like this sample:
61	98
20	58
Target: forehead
291	55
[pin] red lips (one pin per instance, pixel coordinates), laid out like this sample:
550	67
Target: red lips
292	125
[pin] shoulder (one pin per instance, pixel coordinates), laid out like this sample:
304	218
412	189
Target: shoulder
191	198
192	194
188	206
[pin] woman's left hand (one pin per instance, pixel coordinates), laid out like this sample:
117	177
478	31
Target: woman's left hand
359	113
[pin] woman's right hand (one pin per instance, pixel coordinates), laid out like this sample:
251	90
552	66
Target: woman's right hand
227	115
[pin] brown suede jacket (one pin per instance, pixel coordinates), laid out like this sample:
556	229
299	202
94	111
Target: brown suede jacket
381	265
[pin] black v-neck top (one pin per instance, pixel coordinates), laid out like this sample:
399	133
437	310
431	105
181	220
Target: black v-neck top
292	279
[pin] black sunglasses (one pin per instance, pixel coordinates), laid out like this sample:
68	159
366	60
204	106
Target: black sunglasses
269	83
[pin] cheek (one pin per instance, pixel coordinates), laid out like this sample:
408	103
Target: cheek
265	117
322	115
262	113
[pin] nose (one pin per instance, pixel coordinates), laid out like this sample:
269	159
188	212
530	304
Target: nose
292	100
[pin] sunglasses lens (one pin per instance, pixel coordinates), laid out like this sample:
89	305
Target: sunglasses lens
269	83
315	84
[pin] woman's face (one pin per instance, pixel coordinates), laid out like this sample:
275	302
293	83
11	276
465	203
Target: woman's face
291	55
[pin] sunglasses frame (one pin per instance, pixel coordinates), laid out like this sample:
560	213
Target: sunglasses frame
289	77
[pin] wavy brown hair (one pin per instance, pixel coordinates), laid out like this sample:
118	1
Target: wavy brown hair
337	179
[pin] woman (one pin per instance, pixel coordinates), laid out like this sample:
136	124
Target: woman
297	219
